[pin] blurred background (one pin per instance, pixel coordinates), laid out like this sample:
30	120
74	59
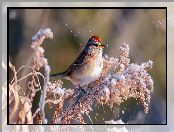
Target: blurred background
143	29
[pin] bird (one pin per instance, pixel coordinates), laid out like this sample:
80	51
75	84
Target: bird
88	65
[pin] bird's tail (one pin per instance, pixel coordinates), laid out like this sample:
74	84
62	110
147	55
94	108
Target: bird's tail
62	75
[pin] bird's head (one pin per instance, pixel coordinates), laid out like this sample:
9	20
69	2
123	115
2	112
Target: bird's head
95	41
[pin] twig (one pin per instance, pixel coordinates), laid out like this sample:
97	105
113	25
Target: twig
43	95
89	117
31	73
14	71
53	101
130	80
35	113
20	70
38	62
16	101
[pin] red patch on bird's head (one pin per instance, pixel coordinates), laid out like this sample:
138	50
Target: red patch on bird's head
96	41
96	38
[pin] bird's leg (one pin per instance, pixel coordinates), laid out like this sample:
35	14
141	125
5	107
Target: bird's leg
81	93
84	91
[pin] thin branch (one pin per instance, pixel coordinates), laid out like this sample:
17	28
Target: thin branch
43	94
16	101
35	113
31	73
14	72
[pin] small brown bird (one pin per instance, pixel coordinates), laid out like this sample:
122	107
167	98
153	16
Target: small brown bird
88	65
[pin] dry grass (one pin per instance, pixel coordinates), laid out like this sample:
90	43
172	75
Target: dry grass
126	80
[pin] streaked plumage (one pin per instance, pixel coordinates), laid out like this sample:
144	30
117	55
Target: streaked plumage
88	65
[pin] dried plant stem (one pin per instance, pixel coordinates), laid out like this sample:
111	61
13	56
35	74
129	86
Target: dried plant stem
34	115
14	71
53	101
15	93
43	94
25	77
75	102
127	80
16	99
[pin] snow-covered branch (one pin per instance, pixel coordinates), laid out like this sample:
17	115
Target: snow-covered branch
125	81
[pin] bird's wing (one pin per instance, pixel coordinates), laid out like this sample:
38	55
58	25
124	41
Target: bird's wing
79	62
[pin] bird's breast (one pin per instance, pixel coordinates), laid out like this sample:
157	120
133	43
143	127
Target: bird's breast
88	73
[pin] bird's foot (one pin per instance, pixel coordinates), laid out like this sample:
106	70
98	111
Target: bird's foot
84	91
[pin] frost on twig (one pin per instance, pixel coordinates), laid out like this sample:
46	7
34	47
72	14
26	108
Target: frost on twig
126	80
39	60
131	80
34	85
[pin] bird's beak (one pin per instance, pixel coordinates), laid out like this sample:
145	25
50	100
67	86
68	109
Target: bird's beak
102	46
